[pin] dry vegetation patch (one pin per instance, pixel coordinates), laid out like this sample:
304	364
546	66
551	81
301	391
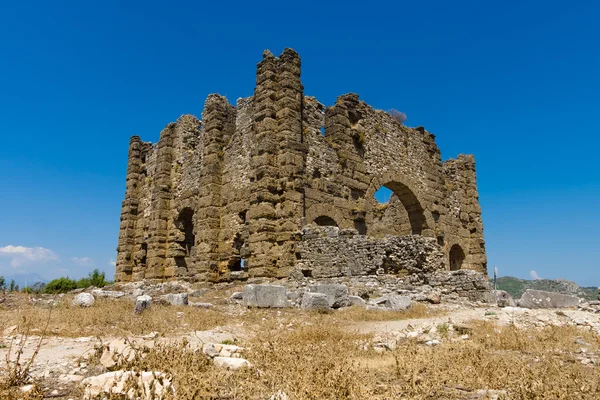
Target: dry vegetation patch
321	359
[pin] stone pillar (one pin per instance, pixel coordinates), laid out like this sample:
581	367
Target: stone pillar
278	163
160	206
129	211
219	125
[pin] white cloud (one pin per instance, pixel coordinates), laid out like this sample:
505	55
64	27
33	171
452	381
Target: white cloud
113	263
534	275
83	261
20	255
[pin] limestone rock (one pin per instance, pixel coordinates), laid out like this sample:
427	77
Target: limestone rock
337	294
236	297
542	299
176	299
153	385
201	305
83	300
315	301
504	299
231	363
394	302
142	303
265	296
111	294
357	301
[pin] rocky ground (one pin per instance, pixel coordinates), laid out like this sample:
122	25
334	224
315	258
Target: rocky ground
67	364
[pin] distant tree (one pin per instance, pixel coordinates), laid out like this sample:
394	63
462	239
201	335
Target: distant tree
60	285
2	282
12	286
95	278
397	115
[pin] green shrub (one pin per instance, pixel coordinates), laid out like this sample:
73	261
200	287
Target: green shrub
60	285
2	282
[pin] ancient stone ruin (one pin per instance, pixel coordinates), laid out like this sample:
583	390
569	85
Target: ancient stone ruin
281	186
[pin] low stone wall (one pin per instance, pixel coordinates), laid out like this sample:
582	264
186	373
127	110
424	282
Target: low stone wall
439	286
410	265
327	252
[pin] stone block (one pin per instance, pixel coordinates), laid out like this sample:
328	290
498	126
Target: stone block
394	302
176	299
542	299
142	303
315	301
337	294
83	300
503	299
265	296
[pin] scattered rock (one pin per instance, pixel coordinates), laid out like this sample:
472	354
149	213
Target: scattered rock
542	299
236	297
337	294
107	293
231	362
84	300
265	296
175	299
357	301
434	298
394	302
504	299
9	331
153	385
201	305
315	301
141	303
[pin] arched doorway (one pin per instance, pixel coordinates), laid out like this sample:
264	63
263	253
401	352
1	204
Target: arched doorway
398	210
325	220
185	223
457	257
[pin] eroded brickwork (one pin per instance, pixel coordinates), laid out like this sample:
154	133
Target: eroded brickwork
227	197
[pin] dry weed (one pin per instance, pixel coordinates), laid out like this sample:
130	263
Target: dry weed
323	360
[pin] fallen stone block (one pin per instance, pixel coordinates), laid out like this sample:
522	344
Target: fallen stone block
357	301
201	305
236	297
504	299
142	303
175	299
231	362
111	294
337	294
394	302
315	301
542	299
83	300
265	296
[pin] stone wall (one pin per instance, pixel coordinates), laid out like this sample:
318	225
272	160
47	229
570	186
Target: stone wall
330	252
226	198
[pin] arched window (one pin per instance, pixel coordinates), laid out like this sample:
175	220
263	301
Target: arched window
457	257
324	220
395	200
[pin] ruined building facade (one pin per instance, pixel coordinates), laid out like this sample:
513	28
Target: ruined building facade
228	197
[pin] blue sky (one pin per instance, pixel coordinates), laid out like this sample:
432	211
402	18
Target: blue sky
515	83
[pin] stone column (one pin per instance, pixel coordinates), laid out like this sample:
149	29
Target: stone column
219	125
129	211
278	162
160	206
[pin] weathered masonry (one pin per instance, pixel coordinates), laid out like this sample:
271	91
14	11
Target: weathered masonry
227	197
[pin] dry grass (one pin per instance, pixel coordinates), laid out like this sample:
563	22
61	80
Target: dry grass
311	355
109	317
325	361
